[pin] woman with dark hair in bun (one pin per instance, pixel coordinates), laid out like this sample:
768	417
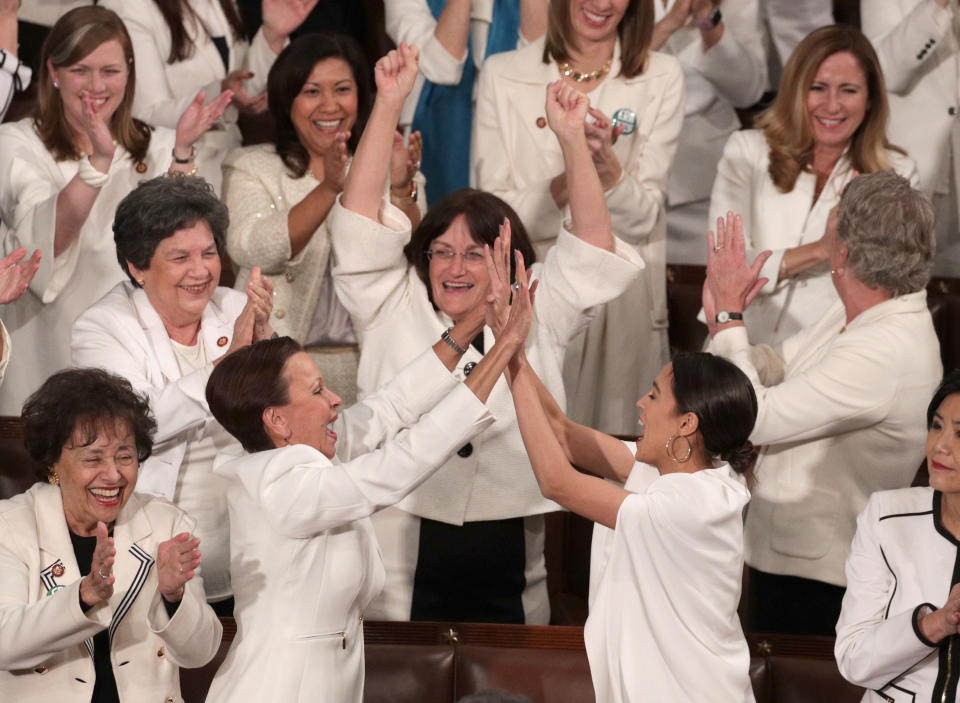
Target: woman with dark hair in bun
667	553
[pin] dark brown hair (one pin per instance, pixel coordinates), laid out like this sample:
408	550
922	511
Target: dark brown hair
635	32
247	382
723	399
175	13
289	74
75	35
484	213
84	403
948	386
786	123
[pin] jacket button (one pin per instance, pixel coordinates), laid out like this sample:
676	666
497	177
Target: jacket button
161	652
40	670
280	314
290	276
951	110
466	450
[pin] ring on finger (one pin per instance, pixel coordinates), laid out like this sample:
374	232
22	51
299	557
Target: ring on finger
101	574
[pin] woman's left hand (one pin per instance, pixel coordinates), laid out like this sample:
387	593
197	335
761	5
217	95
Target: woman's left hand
566	111
732	282
177	562
281	17
260	297
198	118
601	136
520	316
405	161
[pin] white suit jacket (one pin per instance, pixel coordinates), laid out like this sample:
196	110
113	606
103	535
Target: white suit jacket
164	90
918	52
395	322
65	285
842	413
780	221
901	558
46	639
305	560
732	73
124	334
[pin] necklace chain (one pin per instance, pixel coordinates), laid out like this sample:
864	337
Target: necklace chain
567	70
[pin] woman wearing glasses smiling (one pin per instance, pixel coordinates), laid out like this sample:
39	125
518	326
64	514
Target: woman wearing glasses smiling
468	543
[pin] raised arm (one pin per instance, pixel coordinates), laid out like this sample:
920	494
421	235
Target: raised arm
566	112
443	42
365	183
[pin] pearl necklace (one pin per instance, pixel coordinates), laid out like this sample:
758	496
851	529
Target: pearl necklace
567	70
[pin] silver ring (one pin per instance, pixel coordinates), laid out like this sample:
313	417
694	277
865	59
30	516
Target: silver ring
101	574
716	249
416	164
515	286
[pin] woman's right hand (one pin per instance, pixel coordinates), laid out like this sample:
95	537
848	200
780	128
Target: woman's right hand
945	621
520	316
241	98
97	586
396	72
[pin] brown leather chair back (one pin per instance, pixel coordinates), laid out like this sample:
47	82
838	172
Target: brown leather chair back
16	467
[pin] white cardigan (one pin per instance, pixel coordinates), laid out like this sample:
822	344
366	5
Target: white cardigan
665	588
305	560
842	412
780	221
395	322
901	558
164	90
65	285
45	637
515	158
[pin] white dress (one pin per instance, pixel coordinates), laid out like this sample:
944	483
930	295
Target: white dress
515	156
66	285
304	558
164	90
395	322
780	221
663	622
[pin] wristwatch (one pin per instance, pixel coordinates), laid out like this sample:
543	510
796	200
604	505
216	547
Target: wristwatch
723	316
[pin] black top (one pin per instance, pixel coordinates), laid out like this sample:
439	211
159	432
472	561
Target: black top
105	686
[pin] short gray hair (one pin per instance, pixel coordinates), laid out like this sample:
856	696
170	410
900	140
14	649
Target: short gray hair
159	208
888	227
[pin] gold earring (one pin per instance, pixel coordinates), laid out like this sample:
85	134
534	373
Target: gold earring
54	479
669	448
140	282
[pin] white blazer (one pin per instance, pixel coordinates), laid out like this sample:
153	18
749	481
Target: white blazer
842	413
164	90
305	560
515	156
46	639
65	285
918	52
780	221
124	334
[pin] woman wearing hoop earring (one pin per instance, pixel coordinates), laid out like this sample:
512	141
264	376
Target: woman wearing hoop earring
678	513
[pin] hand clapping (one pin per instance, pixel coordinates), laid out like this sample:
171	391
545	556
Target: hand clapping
16	274
97	586
177	562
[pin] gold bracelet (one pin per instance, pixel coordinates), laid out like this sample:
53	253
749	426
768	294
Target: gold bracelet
782	273
402	200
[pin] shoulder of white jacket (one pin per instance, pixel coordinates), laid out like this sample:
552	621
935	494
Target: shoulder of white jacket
661	64
21	506
117	299
255	154
900	500
523	65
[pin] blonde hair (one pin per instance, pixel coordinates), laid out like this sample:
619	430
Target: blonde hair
786	123
75	35
635	32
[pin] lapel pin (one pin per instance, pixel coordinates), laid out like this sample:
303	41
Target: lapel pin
222	342
541	122
626	118
57	570
140	167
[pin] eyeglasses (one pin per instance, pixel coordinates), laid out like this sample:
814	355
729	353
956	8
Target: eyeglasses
446	256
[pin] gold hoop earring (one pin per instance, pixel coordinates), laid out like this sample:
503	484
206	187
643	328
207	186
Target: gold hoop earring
54	479
669	448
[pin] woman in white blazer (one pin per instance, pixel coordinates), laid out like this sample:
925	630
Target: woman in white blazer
900	613
304	557
186	46
827	124
636	94
100	597
720	48
403	291
841	402
63	172
918	42
164	330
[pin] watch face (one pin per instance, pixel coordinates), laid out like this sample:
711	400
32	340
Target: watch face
723	316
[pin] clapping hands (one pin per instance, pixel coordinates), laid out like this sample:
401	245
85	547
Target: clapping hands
177	562
16	274
97	586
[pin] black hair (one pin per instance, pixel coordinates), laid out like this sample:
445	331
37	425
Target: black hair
948	386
